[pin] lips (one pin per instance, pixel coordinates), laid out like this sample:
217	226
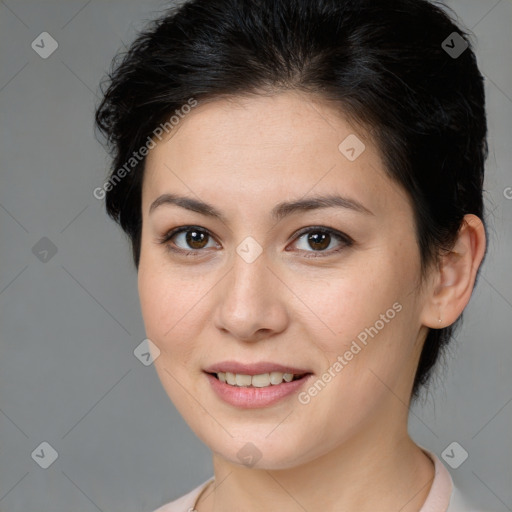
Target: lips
253	368
255	385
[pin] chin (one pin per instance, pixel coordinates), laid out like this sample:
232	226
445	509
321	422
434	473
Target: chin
255	450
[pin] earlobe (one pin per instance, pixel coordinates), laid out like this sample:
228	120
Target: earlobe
456	275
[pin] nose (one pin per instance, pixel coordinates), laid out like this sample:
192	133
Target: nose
250	304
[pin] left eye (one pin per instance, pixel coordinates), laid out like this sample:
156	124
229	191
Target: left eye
321	239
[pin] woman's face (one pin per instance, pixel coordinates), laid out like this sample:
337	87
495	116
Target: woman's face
327	289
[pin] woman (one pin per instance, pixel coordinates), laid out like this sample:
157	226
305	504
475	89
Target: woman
301	182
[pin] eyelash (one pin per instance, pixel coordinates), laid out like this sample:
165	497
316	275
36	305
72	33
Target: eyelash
345	240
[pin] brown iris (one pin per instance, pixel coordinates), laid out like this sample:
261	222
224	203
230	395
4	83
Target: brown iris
319	240
196	239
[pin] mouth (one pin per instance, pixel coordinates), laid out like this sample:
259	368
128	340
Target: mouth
257	385
261	380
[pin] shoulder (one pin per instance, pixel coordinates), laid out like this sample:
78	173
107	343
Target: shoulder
186	502
444	495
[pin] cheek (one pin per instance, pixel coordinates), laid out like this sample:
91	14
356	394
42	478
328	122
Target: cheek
168	314
364	314
169	308
345	303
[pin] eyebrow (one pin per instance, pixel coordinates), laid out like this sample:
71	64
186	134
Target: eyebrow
280	211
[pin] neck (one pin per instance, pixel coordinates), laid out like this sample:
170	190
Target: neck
373	471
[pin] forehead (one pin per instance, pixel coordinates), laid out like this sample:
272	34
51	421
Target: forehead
284	145
274	125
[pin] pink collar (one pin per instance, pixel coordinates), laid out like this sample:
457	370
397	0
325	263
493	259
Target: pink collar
438	498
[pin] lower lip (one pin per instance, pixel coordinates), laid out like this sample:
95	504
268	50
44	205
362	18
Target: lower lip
251	397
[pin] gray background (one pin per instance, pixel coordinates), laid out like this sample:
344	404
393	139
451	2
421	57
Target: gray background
69	326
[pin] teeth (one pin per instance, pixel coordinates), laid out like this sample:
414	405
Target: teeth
258	381
276	378
242	380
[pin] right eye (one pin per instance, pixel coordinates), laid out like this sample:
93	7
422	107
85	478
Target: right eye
187	240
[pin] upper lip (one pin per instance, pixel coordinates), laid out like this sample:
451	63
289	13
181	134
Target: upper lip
253	368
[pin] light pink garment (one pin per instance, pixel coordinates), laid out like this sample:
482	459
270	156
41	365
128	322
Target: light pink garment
443	496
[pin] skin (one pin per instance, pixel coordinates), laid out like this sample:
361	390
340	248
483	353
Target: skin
349	445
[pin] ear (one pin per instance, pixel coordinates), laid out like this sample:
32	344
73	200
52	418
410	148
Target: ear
454	279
